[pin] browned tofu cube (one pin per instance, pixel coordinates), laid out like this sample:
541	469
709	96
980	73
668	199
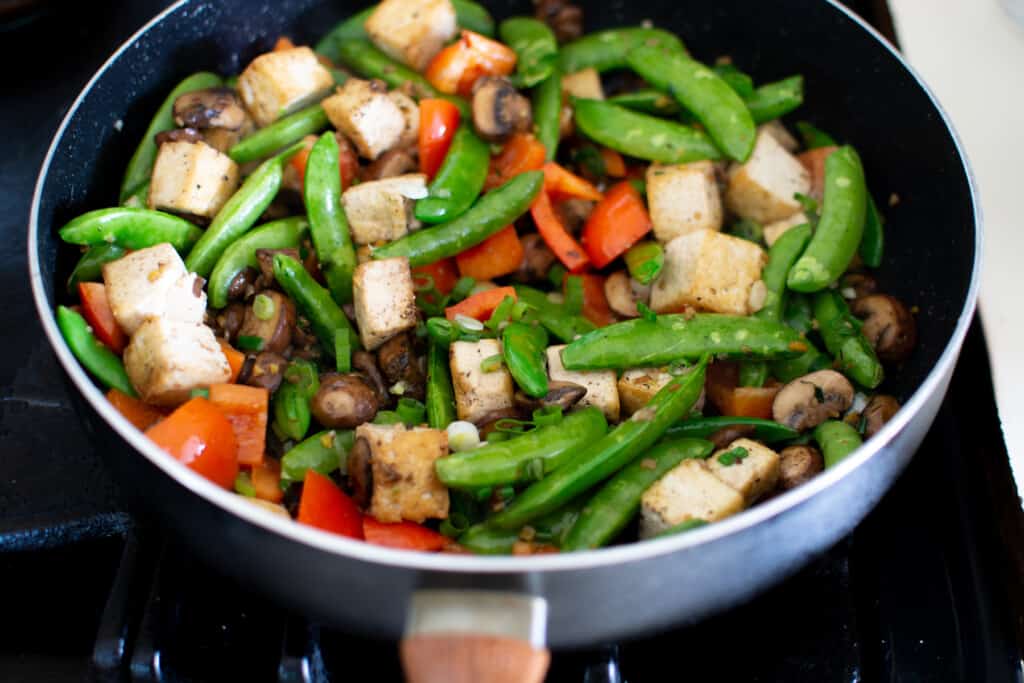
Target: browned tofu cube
405	485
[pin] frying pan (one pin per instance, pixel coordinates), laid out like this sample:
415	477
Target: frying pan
858	88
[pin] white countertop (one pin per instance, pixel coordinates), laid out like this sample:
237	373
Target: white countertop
971	53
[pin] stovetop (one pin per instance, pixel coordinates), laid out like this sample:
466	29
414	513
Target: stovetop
928	588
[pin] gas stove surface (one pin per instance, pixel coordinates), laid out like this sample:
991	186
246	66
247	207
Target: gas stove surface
926	589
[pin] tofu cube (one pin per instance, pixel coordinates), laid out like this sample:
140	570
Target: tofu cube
710	271
754	475
153	283
385	300
688	491
405	485
585	83
382	210
411	111
639	385
412	31
778	130
279	83
762	189
192	177
478	393
600	384
167	359
367	116
774	231
683	198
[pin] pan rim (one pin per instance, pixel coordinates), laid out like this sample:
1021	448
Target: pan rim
473	564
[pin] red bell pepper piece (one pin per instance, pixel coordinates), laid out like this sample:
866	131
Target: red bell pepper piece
443	273
561	184
200	436
96	310
595	303
438	121
617	223
737	401
236	359
481	305
499	254
403	535
266	481
814	161
325	506
554	234
246	409
140	414
521	153
614	164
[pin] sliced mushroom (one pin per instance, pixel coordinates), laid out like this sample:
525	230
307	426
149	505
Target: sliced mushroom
879	410
565	19
808	401
797	465
574	213
343	401
726	435
392	163
360	472
498	109
485	423
178	135
230	320
265	257
399	364
562	394
276	329
888	325
366	364
537	259
210	108
242	284
623	294
267	371
861	284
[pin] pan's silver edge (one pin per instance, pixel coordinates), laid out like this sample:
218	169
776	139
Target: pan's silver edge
493	565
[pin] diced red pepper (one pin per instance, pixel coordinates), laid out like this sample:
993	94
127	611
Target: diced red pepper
439	120
499	254
96	310
199	435
481	305
457	67
521	153
246	409
140	414
554	234
403	535
561	184
595	303
236	359
443	273
284	43
266	481
814	161
324	506
618	222
614	164
731	399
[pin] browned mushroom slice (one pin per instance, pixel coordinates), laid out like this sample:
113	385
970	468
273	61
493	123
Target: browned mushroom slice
242	284
888	325
265	257
565	19
267	371
624	293
178	135
562	394
344	401
797	465
859	284
537	259
210	108
726	435
574	213
360	472
366	364
392	163
401	367
808	401
229	321
879	410
498	109
273	323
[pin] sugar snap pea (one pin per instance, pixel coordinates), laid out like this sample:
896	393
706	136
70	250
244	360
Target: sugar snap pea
610	509
781	257
509	462
645	261
872	243
440	393
280	134
551	528
682	527
314	302
547	112
535	47
459	180
552	316
130	229
327	222
141	165
491	213
671	338
843	339
91	353
703	92
768	431
606	456
237	216
473	16
810	360
323	452
523	347
774	100
291	401
813	137
837	440
648	101
841	225
640	135
139	198
90	267
281	234
605	50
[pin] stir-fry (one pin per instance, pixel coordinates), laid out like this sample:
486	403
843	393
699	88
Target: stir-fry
447	286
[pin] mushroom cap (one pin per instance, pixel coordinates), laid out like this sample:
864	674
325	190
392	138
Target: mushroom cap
808	401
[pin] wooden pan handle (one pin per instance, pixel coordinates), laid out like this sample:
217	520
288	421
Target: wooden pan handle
469	658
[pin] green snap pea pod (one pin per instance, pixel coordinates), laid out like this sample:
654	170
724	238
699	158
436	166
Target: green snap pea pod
551	528
90	267
91	353
459	180
327	222
798	312
872	243
291	400
648	101
473	16
814	138
365	59
753	373
640	135
837	440
139	198
843	339
236	217
547	112
508	462
781	257
440	393
523	347
605	50
841	225
774	100
314	302
606	456
323	452
645	261
141	165
491	213
670	338
741	82
350	29
811	360
682	527
535	47
552	316
768	431
131	229
610	509
280	134
281	234
700	90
